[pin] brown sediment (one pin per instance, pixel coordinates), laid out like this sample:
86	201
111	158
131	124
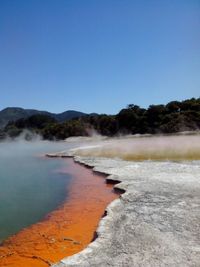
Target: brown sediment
65	231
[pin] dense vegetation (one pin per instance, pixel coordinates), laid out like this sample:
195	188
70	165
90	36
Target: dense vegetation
174	117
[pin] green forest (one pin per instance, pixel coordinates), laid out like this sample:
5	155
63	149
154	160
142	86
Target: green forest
176	116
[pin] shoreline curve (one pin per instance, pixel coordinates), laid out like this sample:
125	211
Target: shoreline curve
154	223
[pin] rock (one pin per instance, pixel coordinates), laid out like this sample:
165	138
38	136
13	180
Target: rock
67	239
71	240
155	223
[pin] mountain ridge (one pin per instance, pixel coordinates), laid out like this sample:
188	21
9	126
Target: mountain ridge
14	113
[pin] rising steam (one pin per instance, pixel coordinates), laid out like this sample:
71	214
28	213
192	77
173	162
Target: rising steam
182	147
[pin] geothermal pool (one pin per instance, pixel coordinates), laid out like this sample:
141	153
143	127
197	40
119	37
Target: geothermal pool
57	204
50	207
30	185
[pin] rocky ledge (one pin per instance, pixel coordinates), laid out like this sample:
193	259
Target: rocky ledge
156	222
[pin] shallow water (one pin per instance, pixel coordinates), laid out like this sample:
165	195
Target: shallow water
30	185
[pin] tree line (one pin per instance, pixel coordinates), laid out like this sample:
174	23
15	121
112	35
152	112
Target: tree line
173	117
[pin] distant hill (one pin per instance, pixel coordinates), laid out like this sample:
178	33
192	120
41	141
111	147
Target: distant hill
15	113
68	115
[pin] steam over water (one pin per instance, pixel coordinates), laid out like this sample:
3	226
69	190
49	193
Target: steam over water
30	185
175	148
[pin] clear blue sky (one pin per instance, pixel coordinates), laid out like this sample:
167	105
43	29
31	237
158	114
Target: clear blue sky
98	55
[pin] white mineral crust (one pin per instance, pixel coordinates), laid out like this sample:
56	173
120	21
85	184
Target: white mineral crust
156	222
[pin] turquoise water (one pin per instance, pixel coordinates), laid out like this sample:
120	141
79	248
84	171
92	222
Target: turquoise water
30	186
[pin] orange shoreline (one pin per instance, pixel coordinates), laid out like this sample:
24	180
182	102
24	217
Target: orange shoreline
65	231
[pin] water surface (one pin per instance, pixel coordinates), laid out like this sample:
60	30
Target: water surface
30	185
